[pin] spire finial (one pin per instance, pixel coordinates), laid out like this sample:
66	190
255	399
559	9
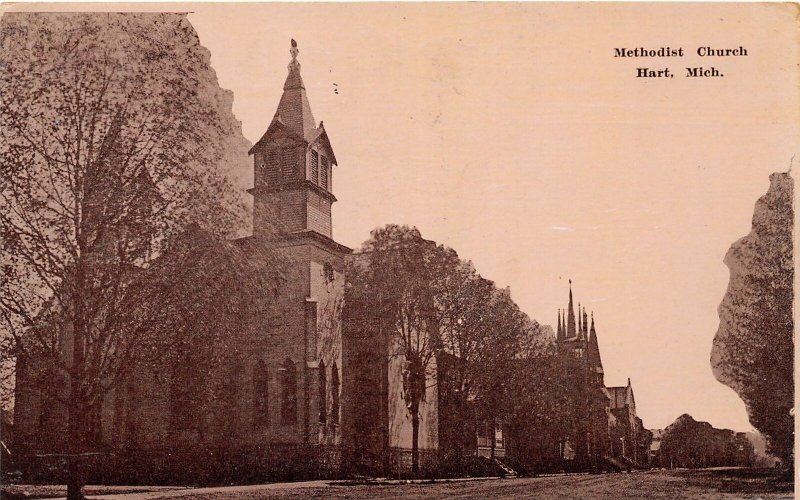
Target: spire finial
294	64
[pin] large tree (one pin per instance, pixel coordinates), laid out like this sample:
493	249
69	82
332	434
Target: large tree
436	306
505	334
478	326
398	279
753	350
549	401
689	443
114	135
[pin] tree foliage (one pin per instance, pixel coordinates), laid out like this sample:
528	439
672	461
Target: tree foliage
689	443
435	304
114	131
753	349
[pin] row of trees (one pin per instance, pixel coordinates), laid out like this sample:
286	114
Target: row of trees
435	305
689	443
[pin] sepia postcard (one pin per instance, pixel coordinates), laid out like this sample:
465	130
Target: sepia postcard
398	250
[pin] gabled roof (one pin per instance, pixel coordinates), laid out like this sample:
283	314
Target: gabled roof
277	125
621	396
320	135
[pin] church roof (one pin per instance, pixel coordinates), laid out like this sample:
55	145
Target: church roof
294	110
594	349
621	396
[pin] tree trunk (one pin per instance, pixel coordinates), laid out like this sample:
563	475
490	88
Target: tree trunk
76	425
415	438
492	438
76	433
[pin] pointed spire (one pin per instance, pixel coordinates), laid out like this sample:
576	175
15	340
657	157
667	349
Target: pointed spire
585	323
594	350
570	315
558	328
294	111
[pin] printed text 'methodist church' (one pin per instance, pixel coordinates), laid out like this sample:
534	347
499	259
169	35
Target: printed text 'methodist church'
314	387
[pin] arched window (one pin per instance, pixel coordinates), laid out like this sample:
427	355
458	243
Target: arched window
288	393
335	393
184	395
260	395
323	393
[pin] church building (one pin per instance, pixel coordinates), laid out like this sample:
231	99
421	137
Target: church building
314	386
302	396
609	430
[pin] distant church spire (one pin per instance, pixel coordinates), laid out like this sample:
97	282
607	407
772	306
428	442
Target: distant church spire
570	315
585	323
594	350
558	328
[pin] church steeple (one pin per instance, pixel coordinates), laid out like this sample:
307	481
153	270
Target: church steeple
560	330
570	315
594	348
593	355
294	109
585	325
293	166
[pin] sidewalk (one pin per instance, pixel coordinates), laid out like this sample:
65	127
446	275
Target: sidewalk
185	492
275	487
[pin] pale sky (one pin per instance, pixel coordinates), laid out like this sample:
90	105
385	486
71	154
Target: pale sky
512	134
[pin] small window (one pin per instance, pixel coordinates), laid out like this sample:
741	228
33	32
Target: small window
288	164
288	393
335	393
271	174
314	166
323	393
260	395
323	173
327	271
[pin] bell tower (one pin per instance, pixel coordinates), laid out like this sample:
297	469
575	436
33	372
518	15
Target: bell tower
301	336
293	166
